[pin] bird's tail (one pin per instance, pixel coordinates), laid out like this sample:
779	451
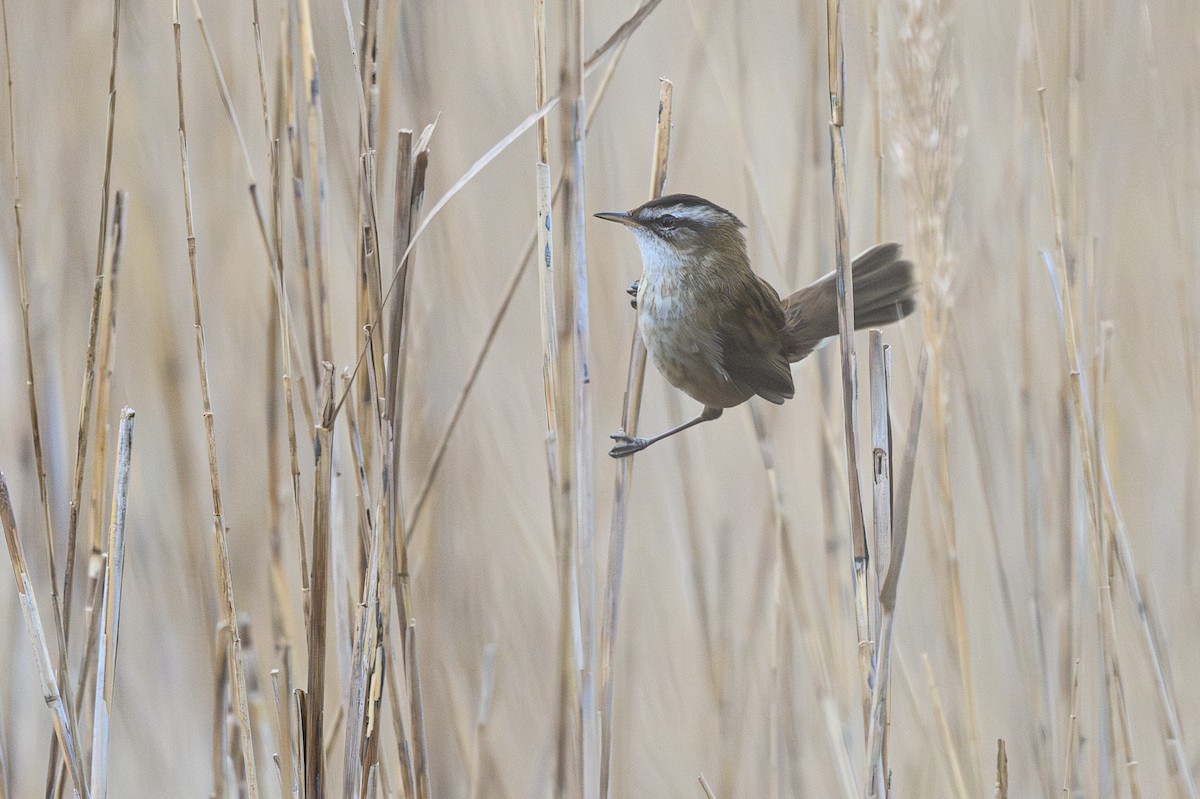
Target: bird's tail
884	291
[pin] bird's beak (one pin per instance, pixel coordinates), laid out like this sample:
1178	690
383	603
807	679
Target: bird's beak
618	216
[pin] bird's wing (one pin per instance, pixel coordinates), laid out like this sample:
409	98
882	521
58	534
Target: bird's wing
751	319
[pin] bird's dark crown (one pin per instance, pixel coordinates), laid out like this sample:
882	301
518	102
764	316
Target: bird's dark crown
682	212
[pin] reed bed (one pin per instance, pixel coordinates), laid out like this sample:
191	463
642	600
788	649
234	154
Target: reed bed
339	258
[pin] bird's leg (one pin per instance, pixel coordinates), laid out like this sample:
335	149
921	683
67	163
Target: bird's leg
632	292
627	445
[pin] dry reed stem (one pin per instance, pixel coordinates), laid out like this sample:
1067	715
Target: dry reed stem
624	473
879	361
704	786
845	294
314	739
576	483
897	517
221	547
64	733
106	669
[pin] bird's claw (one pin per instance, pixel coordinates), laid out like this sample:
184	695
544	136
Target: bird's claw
632	292
626	445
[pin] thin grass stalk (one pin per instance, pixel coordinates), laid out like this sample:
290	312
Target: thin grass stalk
845	294
64	733
623	484
221	547
106	669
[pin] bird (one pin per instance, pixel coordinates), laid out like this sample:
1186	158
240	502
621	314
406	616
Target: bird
719	332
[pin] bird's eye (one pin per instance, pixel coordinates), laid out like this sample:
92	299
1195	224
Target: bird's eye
666	222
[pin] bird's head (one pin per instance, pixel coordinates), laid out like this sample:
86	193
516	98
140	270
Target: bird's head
680	231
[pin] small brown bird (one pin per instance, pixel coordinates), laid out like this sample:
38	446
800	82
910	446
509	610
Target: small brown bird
720	332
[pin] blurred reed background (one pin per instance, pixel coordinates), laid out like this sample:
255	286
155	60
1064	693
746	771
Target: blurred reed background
1049	589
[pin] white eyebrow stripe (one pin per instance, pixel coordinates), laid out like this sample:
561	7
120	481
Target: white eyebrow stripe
704	214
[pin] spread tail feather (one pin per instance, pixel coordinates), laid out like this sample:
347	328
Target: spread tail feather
884	291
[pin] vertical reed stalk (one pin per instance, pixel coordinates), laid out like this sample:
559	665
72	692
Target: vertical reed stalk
220	544
624	478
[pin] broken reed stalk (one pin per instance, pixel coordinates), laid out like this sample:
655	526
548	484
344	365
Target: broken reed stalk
879	358
893	518
114	570
623	481
65	734
220	544
412	164
845	294
314	759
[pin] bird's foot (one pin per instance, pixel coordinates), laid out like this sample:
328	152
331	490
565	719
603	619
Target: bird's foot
632	292
626	445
